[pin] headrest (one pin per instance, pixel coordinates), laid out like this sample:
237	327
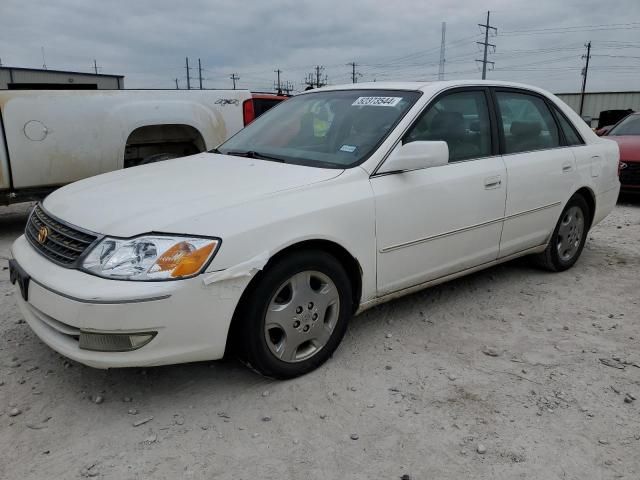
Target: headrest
449	124
529	129
373	119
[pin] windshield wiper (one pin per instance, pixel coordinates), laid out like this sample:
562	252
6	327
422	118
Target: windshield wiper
254	154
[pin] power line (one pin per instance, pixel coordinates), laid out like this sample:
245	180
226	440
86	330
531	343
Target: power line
575	28
486	45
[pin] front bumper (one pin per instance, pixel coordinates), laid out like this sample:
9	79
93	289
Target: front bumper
191	319
630	177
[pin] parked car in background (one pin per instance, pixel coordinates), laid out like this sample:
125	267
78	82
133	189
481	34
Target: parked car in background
608	118
626	134
269	244
51	138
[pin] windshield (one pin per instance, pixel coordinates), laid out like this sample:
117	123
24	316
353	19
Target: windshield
628	126
334	129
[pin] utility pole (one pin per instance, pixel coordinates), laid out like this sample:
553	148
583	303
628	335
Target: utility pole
95	66
287	88
486	44
177	87
200	73
319	83
188	75
234	77
442	44
585	70
278	84
354	73
309	82
44	62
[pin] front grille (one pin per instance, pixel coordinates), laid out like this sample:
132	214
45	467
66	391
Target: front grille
63	244
631	174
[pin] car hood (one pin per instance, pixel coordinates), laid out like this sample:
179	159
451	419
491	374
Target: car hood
629	147
153	198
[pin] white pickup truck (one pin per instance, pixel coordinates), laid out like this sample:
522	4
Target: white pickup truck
51	138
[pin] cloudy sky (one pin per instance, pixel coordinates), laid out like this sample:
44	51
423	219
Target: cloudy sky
539	42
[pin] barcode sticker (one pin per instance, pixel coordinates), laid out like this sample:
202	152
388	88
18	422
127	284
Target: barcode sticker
348	148
376	101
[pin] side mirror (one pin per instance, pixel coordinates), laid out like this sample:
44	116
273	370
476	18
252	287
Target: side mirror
416	156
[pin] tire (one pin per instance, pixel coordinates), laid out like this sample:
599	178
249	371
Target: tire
568	238
294	315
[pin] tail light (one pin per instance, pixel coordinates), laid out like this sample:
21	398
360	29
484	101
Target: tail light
248	114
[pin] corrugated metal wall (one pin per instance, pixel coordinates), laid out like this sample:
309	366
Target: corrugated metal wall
594	103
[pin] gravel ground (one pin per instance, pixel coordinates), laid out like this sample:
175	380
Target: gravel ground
510	373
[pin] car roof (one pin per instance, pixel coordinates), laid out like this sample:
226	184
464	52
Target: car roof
269	96
429	87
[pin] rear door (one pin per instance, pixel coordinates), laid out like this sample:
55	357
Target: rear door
541	169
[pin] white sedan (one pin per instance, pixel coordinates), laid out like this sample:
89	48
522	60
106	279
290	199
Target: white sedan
334	201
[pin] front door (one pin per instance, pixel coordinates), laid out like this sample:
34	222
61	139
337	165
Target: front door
442	220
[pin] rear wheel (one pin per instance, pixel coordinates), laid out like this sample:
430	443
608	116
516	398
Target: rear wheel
568	238
295	315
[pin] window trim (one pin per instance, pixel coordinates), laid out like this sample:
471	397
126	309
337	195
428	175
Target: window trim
557	113
545	100
493	119
490	111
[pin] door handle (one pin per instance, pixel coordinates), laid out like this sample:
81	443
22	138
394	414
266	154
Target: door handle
492	182
566	167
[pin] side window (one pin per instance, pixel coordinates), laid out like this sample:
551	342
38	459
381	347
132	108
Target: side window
462	120
570	133
527	123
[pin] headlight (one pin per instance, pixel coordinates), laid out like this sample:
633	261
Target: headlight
152	257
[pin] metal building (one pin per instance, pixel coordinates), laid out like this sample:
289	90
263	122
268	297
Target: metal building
596	102
15	78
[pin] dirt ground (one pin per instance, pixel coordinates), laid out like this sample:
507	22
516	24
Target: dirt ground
538	369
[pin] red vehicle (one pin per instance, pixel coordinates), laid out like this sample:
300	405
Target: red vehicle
627	134
259	104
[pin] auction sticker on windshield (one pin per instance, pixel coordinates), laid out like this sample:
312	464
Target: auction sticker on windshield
377	101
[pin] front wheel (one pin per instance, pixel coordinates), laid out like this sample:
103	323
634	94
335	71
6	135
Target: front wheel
295	315
568	238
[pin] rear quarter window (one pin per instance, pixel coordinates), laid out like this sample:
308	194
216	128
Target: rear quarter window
570	133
